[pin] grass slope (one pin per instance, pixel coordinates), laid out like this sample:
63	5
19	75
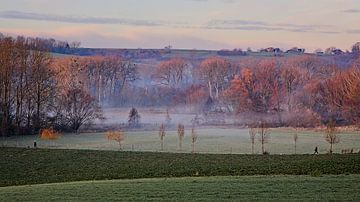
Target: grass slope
210	140
285	188
36	166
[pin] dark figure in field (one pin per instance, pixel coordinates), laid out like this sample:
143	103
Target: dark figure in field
35	144
316	150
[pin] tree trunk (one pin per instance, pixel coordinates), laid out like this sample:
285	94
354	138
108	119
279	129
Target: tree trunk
217	91
210	89
252	148
331	148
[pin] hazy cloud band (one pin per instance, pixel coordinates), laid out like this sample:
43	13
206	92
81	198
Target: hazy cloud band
212	24
74	19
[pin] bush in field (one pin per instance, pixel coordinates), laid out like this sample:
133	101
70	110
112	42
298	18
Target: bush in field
162	135
117	136
49	134
181	134
331	135
134	118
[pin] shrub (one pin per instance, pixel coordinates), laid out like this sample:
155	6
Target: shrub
49	134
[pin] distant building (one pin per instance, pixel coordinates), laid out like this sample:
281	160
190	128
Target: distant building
271	50
337	52
296	50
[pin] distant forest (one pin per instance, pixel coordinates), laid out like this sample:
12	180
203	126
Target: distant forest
40	89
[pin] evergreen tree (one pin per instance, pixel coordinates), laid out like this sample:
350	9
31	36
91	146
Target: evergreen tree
134	118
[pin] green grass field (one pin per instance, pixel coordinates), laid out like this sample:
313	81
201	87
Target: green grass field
269	188
37	166
210	140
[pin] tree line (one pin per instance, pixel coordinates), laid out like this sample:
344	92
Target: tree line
39	91
300	91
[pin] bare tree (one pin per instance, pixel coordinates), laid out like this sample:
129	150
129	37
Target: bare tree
181	134
214	71
331	135
295	141
170	73
252	134
194	138
77	107
264	133
42	79
162	135
167	118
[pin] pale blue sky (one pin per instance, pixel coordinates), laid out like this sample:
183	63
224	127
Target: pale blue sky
201	24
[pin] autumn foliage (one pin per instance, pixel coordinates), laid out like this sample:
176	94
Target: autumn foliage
38	90
49	134
117	136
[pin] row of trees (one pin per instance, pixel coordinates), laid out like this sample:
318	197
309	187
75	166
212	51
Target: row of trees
297	88
119	136
26	85
294	90
263	131
36	92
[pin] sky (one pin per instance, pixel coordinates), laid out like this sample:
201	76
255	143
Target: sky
187	24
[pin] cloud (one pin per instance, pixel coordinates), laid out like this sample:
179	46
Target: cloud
76	19
235	22
352	11
136	37
223	1
265	26
216	24
353	31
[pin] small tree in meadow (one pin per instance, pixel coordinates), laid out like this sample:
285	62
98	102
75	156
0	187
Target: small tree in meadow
117	136
134	118
167	117
252	134
295	137
181	134
162	135
264	133
331	135
194	138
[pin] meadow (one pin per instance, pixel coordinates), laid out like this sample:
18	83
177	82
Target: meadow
21	166
220	140
265	188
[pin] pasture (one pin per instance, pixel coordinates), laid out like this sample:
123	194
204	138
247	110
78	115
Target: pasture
269	188
210	140
38	166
